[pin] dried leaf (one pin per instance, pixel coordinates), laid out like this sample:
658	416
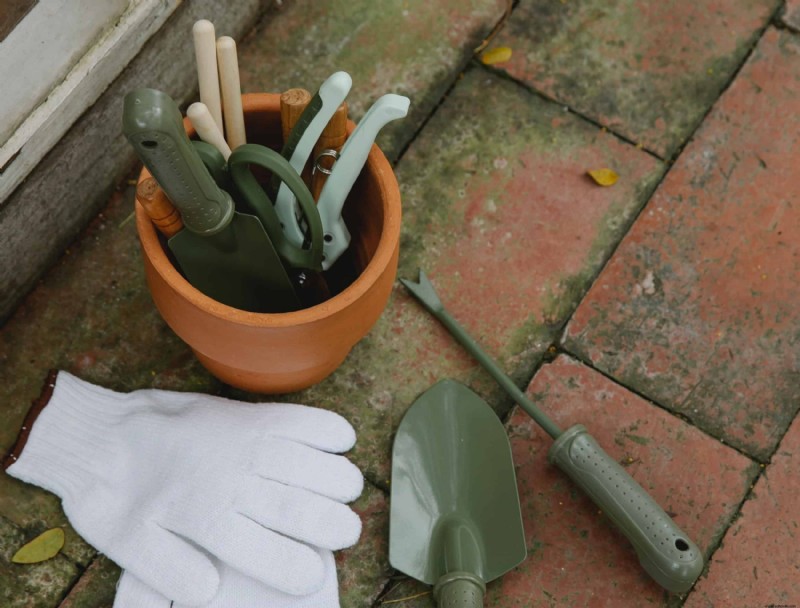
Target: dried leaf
41	548
604	177
498	54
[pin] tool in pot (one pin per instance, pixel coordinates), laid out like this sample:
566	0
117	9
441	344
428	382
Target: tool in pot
346	170
664	550
225	254
455	519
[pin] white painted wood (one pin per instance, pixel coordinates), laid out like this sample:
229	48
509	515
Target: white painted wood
110	52
205	50
206	127
231	92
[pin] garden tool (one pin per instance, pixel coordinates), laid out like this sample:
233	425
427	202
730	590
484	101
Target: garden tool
297	148
347	169
205	51
455	519
663	549
225	254
231	90
202	121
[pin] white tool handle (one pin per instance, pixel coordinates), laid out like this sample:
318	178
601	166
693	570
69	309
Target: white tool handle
332	93
206	128
347	169
231	91
205	50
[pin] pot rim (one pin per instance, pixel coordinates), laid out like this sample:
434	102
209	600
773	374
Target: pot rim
389	238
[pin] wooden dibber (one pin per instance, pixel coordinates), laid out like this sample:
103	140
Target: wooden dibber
293	102
332	138
158	207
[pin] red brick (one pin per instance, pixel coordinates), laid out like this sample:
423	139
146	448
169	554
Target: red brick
648	70
576	557
698	308
758	563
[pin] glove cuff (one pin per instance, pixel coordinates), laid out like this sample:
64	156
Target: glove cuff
65	434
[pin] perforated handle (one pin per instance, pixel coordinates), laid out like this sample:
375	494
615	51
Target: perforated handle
664	550
154	127
459	590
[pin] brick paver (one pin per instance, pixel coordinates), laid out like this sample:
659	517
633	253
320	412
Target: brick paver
758	563
698	307
575	556
791	14
484	217
410	47
648	70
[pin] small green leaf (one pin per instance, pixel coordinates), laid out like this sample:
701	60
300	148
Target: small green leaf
41	548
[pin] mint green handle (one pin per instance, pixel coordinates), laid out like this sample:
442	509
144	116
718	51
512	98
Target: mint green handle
459	590
153	125
664	550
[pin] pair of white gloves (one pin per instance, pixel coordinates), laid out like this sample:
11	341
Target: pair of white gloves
203	501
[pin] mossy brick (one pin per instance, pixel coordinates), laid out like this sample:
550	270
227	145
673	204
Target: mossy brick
39	585
575	555
647	70
697	309
363	570
409	47
758	563
791	14
97	586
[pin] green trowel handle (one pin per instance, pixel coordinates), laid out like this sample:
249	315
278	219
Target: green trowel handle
459	590
664	550
153	125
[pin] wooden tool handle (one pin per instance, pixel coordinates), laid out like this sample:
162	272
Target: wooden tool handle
293	102
158	207
231	91
206	127
205	49
333	137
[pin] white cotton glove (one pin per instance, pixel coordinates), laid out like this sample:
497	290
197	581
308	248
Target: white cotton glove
235	591
154	479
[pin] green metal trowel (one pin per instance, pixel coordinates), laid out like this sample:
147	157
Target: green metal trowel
455	518
664	550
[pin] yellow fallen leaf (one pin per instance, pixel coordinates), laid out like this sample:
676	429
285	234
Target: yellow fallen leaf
604	177
498	54
41	548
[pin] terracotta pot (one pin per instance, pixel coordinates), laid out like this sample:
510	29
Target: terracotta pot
277	353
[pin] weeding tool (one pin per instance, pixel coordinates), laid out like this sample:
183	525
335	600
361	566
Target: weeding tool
327	149
299	145
347	169
455	520
223	253
664	550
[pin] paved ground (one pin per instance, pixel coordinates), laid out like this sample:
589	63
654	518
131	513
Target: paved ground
661	312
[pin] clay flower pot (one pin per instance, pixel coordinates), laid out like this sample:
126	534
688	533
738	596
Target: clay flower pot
277	353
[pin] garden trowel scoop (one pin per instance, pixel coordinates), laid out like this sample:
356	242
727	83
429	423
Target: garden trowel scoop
225	254
455	517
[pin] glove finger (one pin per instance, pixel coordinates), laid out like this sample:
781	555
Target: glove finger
314	427
236	590
300	514
265	555
133	593
303	467
168	564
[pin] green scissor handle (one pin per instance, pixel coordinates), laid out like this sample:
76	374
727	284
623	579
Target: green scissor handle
253	196
214	162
